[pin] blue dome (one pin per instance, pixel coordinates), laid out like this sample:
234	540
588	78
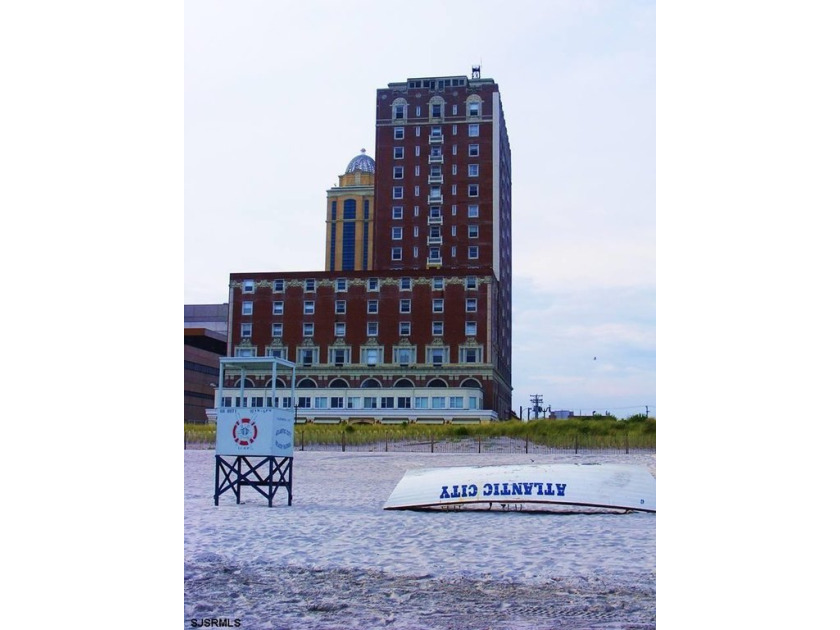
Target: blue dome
361	162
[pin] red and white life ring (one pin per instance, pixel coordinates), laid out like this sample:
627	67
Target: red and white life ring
249	432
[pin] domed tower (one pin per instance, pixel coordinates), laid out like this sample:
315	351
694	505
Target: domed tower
349	244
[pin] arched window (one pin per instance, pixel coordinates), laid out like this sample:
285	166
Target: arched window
403	382
437	382
248	383
279	383
471	382
399	109
370	382
339	382
307	382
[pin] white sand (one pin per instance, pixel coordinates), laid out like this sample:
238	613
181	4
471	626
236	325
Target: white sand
336	559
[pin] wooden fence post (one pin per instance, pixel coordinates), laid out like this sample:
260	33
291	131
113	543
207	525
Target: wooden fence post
432	438
479	443
343	441
526	443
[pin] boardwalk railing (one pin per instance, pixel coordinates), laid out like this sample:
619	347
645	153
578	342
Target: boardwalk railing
436	444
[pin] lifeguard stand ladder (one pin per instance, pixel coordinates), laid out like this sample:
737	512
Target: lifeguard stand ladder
254	445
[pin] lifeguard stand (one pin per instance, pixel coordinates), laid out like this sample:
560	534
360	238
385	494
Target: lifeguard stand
254	445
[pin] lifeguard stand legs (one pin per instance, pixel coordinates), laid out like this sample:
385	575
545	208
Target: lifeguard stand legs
265	474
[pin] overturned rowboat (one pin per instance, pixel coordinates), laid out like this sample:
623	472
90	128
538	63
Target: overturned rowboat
527	487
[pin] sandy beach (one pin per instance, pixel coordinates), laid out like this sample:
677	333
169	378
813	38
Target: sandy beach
335	559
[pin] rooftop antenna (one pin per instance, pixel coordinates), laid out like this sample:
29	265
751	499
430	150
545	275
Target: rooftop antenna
476	72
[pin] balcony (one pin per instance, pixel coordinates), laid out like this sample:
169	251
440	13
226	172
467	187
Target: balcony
434	240
435	179
438	201
436	139
434	262
436	220
436	159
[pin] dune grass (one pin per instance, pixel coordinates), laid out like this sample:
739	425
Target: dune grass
600	432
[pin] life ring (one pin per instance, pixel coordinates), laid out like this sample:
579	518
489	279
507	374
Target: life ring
249	436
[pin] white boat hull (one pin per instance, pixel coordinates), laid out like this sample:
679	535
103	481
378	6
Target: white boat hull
525	487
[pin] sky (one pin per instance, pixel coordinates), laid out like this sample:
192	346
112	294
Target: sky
578	88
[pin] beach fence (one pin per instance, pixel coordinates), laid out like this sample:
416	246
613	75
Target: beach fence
431	443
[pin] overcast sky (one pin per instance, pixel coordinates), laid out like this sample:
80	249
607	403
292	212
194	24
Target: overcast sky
280	96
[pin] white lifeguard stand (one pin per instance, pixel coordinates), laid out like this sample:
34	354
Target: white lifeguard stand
254	445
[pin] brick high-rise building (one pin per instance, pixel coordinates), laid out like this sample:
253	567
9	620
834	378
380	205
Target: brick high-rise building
422	334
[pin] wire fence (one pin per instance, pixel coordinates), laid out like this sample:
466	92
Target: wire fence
436	444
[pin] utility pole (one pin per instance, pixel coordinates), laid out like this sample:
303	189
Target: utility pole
536	404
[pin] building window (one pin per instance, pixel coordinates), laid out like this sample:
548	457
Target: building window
434	212
472	231
472	305
245	330
470	355
308	329
399	153
405	328
399	111
373	307
417	191
437	305
354	402
396	253
456	402
472	252
373	284
336	402
309	307
277	353
373	356
472	282
277	330
387	402
399	133
438	402
437	283
247	308
248	286
398	192
472	170
421	402
307	356
403	402
370	402
341	284
245	352
436	107
405	284
340	329
372	329
472	211
304	402
405	306
473	150
437	132
396	233
340	307
277	308
397	212
472	131
434	255
339	356
472	190
437	329
398	172
279	286
474	108
309	285
471	329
